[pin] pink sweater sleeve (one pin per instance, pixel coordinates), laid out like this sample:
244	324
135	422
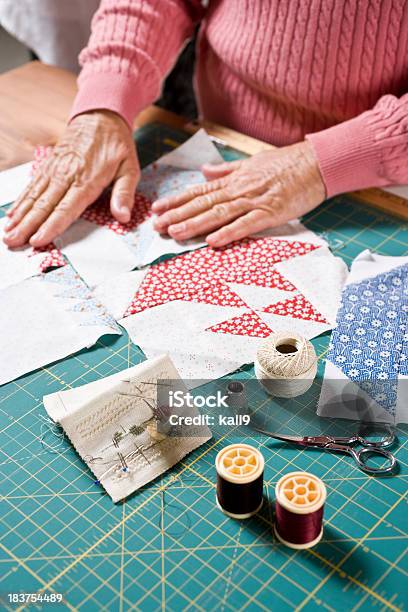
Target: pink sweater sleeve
133	45
370	150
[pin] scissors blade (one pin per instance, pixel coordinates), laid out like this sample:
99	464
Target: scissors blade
319	441
284	438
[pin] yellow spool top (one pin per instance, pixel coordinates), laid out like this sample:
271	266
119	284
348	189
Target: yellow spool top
239	463
300	492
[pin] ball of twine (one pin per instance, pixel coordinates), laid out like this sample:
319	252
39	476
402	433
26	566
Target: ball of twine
286	364
286	354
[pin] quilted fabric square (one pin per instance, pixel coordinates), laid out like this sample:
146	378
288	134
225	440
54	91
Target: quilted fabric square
370	342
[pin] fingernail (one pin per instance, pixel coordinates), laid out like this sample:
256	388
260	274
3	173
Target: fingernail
213	242
122	208
162	204
160	221
177	229
12	234
119	204
8	225
38	236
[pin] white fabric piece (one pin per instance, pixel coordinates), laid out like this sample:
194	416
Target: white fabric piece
96	253
192	154
177	314
158	181
320	277
56	30
17	264
178	328
13	182
93	415
402	399
368	264
399	190
260	297
308	329
293	230
46	318
338	398
195	369
116	293
153	245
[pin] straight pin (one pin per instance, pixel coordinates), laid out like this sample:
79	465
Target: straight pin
146	382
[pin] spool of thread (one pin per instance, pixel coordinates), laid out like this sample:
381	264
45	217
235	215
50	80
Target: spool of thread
300	498
286	364
240	470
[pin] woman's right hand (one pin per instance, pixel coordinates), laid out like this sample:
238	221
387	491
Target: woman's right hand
96	149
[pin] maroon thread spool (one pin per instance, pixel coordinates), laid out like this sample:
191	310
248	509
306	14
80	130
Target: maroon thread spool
240	470
300	498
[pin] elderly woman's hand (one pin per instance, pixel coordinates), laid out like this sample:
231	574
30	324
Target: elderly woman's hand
245	197
95	150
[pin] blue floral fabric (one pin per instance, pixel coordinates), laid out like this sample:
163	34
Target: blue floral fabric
370	342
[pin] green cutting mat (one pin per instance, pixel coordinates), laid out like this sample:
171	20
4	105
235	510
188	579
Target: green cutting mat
168	547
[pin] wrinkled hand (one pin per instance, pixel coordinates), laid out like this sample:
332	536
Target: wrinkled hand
245	197
95	150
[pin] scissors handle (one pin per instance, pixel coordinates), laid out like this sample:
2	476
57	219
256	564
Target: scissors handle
362	455
387	440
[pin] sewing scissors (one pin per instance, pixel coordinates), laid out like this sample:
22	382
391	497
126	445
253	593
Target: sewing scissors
345	445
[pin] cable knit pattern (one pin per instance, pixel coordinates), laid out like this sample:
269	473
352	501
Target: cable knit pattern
279	71
370	150
133	45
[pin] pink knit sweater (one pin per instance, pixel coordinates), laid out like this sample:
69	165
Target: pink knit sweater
333	71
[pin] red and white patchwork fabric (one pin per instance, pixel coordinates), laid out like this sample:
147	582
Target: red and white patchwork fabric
53	258
210	309
261	253
297	307
153	293
202	275
247	324
100	214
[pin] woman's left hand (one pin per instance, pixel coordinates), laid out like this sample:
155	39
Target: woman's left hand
245	197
